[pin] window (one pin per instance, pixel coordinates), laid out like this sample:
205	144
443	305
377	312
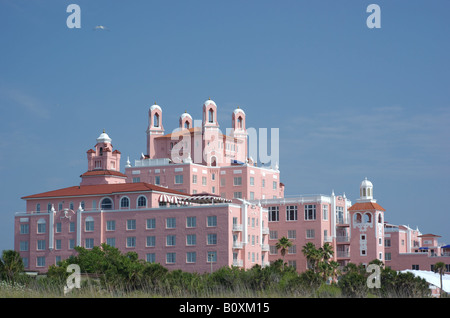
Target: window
310	212
292	249
151	223
291	213
171	223
23	245
237	195
124	203
89	243
204	180
387	256
211	116
171	240
212	257
58	227
49	207
387	242
38	207
252	181
237	181
222	182
357	218
292	234
40	261
179	179
151	241
58	244
111	241
191	257
41	226
274	185
150	257
157	180
41	245
212	239
194	179
273	214
191	221
156	120
71	205
212	220
142	202
310	233
368	218
191	239
325	212
71	244
106	204
24	229
89	224
72	227
340	215
171	258
131	224
131	241
415	267
252	195
273	235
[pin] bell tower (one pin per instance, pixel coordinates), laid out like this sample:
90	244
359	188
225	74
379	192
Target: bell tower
103	163
155	129
239	133
367	226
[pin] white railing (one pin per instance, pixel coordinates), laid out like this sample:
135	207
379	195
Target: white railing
237	227
238	245
238	262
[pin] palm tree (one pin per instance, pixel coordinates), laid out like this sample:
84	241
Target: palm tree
312	254
439	267
327	251
283	244
11	264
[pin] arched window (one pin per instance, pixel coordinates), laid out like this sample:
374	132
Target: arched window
71	205
186	124
49	207
357	218
364	192
380	220
124	203
101	151
367	218
156	120
82	204
142	202
211	116
106	204
38	207
239	122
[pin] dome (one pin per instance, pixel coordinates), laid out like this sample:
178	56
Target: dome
208	102
238	110
366	183
184	115
103	137
155	107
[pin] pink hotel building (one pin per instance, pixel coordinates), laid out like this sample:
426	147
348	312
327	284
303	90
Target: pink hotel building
196	202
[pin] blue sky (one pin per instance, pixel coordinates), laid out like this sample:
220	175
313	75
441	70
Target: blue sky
350	102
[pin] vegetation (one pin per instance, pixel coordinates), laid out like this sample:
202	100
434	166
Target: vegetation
114	274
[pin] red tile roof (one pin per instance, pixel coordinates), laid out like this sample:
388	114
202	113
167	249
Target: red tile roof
103	173
359	206
103	189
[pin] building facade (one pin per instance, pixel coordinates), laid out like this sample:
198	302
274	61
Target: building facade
196	201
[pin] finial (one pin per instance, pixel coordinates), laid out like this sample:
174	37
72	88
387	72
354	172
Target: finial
103	130
155	103
209	98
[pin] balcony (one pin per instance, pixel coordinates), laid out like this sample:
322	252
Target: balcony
265	247
238	245
237	227
238	262
265	230
328	239
343	239
343	254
